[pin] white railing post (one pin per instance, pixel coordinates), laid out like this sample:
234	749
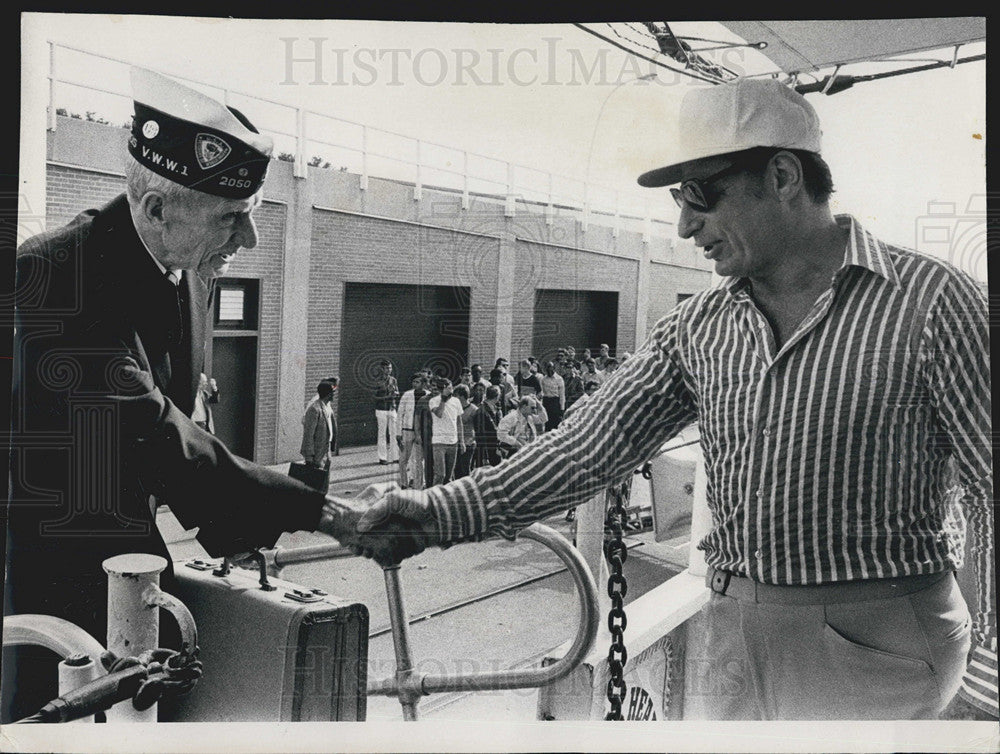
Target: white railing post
363	183
549	209
647	224
52	86
509	203
299	166
418	185
465	179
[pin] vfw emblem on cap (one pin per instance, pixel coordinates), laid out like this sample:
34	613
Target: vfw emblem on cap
210	150
150	129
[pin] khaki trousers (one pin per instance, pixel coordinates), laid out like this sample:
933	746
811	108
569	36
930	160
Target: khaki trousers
411	462
894	658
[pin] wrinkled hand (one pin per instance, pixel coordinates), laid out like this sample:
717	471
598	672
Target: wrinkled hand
397	526
398	538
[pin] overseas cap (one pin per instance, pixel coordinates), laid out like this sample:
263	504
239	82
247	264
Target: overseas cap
194	140
736	116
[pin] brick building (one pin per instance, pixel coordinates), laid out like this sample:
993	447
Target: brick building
344	276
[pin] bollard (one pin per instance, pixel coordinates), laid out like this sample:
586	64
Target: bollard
75	671
133	625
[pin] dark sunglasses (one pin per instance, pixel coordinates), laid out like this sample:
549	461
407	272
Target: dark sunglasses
698	193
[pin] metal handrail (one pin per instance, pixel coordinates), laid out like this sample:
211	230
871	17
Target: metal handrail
302	138
57	634
279	557
409	685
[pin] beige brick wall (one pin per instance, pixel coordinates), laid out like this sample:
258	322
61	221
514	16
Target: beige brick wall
384	235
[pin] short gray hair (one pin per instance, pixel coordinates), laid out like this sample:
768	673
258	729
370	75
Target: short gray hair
139	180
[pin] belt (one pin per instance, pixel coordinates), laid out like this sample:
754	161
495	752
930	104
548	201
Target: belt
742	588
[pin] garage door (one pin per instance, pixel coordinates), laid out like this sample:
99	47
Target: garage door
412	326
582	319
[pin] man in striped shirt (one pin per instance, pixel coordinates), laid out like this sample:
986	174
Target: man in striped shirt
834	378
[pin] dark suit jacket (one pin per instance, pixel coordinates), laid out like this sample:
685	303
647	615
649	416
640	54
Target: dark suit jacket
105	372
485	422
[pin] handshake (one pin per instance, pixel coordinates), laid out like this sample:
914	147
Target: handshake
385	523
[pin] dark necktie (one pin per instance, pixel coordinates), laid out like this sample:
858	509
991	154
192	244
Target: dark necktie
175	332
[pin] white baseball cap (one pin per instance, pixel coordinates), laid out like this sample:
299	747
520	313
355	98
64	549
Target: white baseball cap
735	116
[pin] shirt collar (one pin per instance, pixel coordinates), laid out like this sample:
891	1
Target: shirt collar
863	250
163	270
866	251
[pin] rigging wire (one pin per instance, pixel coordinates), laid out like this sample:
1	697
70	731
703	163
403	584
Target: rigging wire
722	44
641	33
646	57
679	49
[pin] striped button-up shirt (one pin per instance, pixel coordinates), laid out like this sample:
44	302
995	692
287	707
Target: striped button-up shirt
827	458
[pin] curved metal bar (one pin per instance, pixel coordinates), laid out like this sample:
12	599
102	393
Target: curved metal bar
59	635
153	596
409	685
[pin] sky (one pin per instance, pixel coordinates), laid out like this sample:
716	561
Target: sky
907	154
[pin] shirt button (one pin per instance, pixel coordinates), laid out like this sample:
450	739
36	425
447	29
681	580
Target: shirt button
758	554
766	432
759	494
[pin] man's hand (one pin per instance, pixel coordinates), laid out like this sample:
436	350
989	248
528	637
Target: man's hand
341	514
398	525
388	542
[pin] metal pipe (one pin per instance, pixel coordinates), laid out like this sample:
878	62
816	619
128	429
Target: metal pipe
282	558
52	87
59	635
408	691
133	624
414	683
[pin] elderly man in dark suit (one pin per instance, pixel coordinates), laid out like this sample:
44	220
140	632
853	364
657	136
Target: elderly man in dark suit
112	321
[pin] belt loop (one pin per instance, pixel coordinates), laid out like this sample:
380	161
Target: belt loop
720	581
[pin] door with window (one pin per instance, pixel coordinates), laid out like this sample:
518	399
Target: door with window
232	361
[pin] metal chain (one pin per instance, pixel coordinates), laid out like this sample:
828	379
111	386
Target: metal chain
616	553
170	673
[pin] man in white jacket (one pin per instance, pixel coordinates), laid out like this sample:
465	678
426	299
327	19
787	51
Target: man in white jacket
407	438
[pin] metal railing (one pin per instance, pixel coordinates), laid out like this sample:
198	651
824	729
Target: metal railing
298	130
408	685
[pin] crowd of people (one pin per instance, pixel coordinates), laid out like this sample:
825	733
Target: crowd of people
439	430
445	429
